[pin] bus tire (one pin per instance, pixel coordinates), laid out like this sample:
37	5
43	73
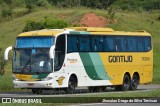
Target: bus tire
134	82
126	84
71	85
36	91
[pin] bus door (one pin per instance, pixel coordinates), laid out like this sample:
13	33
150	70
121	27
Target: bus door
60	52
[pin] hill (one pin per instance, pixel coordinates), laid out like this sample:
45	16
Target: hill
121	20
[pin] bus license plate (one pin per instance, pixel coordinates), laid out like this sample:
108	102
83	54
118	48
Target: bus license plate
30	84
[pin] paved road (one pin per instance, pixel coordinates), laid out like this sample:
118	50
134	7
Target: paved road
82	91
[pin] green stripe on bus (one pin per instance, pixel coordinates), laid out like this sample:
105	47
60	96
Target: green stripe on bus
84	32
89	67
74	32
94	66
99	66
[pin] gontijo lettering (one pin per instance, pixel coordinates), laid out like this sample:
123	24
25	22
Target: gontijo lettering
120	58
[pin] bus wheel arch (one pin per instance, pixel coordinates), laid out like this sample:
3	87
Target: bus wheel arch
135	81
72	83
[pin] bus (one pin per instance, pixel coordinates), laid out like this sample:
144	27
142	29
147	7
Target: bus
90	57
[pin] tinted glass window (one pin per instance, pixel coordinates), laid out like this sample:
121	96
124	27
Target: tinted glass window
73	43
109	44
140	44
97	43
93	43
84	43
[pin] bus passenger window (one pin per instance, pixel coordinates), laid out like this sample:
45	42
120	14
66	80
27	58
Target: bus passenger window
84	43
140	44
147	43
109	44
132	44
118	44
73	43
97	44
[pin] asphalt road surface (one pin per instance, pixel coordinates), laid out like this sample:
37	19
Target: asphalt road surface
79	91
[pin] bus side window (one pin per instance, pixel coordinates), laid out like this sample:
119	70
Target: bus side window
123	44
73	43
132	44
97	43
129	44
140	44
84	43
147	43
118	44
109	44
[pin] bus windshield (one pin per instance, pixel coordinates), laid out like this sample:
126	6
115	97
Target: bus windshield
31	61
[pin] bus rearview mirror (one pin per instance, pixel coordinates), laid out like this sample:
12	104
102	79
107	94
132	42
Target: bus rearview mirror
7	52
51	52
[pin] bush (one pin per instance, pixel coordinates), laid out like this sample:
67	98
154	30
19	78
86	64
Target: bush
43	3
7	13
32	25
32	4
46	23
54	23
111	13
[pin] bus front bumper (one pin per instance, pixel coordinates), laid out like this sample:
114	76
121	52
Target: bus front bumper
33	84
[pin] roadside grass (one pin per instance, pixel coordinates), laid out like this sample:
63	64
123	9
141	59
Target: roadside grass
126	21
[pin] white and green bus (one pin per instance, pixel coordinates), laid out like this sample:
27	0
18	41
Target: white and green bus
81	57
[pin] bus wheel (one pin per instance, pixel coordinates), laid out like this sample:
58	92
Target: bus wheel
71	86
126	83
36	91
134	82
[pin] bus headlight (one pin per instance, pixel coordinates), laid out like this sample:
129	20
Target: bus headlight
16	79
46	79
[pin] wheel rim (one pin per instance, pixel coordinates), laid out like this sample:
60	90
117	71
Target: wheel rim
134	82
126	83
72	86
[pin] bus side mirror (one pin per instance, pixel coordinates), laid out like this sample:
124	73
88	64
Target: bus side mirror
51	52
7	52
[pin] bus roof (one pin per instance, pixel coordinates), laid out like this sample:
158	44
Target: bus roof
43	32
88	30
